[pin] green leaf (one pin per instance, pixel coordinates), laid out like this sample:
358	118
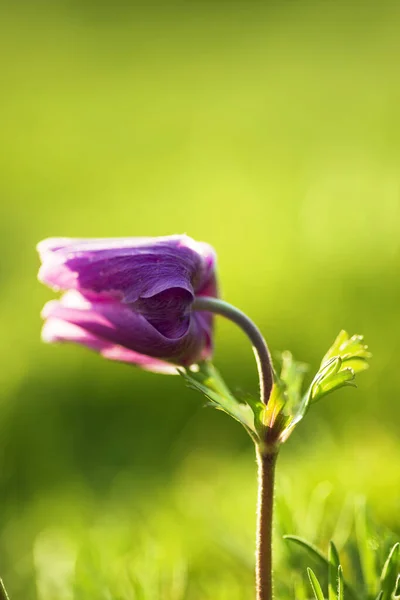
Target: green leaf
342	338
365	548
209	382
276	403
256	406
397	589
292	375
320	556
347	347
390	573
313	550
356	364
340	584
282	411
3	592
334	562
315	585
331	383
346	357
272	421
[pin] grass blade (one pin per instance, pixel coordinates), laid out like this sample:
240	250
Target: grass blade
397	589
313	550
3	593
334	562
365	549
340	584
390	573
315	585
320	556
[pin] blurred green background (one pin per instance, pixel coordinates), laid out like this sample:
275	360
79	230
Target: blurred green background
270	130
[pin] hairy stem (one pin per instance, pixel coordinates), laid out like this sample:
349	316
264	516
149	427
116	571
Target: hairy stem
266	473
260	348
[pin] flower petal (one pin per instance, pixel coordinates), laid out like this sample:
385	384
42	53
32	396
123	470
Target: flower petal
127	268
119	324
131	296
56	330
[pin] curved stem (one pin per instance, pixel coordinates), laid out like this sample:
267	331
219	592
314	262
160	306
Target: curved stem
260	348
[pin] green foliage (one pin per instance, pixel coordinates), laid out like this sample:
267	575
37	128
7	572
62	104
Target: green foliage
3	592
337	591
209	382
346	357
291	379
186	538
365	544
334	565
311	548
273	423
390	573
340	583
374	585
285	398
315	585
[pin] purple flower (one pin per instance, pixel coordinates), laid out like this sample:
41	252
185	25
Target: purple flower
130	298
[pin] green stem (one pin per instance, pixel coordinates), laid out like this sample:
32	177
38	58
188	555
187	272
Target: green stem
266	472
260	348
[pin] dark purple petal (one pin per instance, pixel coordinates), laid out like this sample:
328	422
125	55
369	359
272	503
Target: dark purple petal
55	330
127	268
118	324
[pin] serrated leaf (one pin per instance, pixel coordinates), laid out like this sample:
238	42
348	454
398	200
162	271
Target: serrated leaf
346	357
390	573
334	562
208	381
315	585
340	584
346	347
354	347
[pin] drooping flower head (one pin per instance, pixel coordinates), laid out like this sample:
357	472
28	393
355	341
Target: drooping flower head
130	298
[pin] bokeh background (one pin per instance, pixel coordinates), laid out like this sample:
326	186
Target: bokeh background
270	130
